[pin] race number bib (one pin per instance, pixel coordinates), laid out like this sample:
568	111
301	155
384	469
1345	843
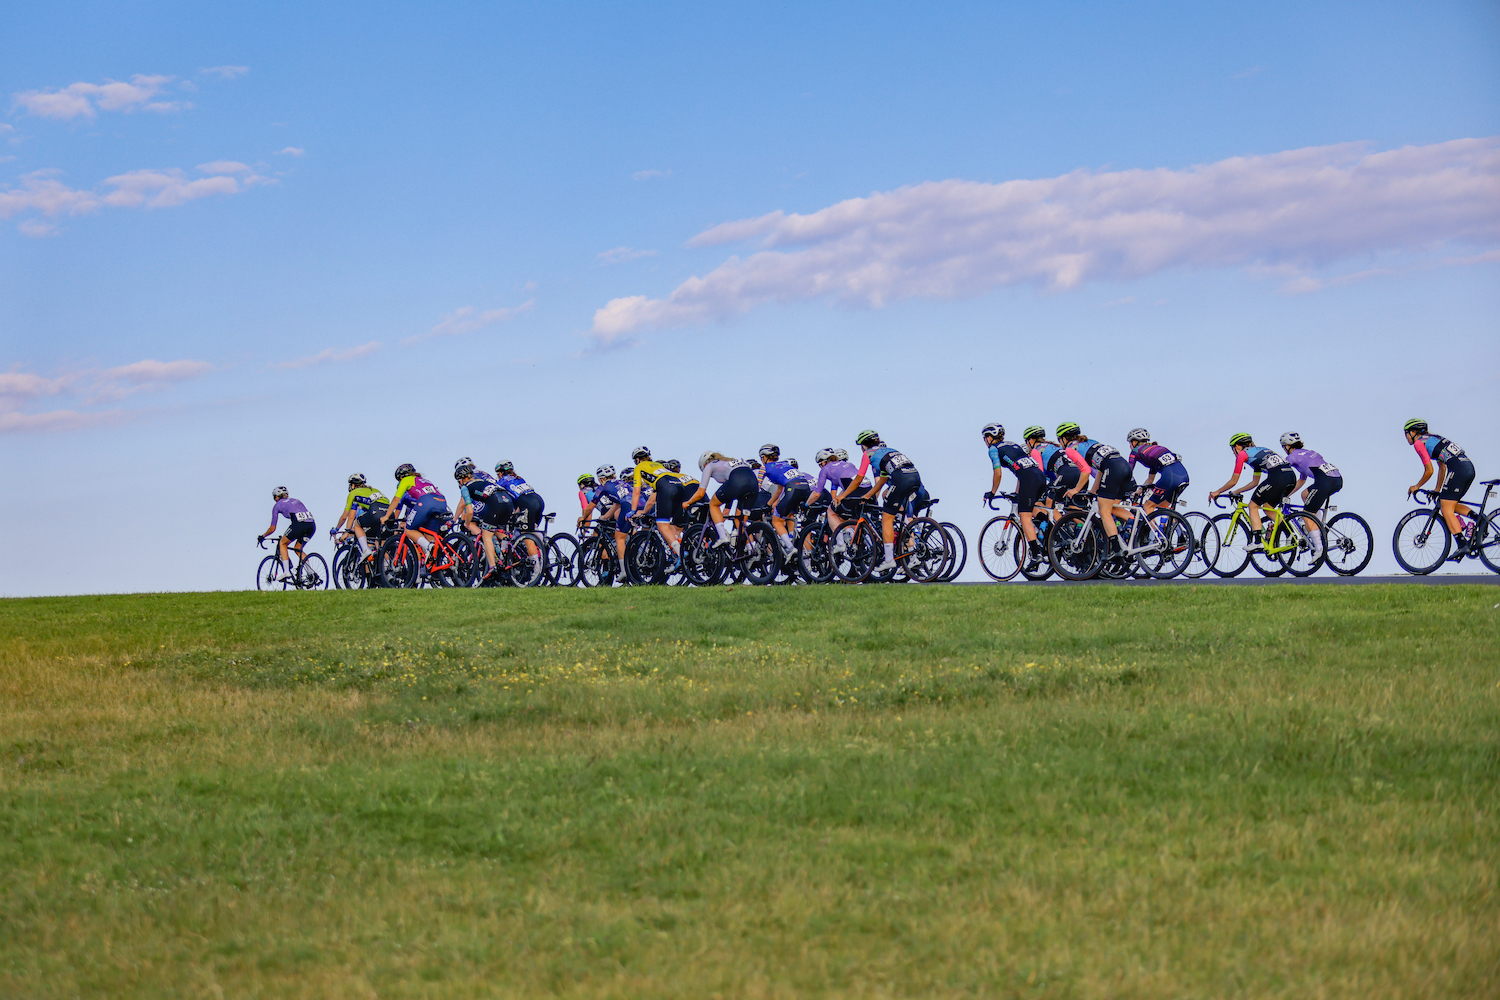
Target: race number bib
303	515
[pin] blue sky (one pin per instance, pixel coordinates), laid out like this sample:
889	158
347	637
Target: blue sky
219	225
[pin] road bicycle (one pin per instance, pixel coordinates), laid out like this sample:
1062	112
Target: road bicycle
598	560
1159	544
311	572
753	554
446	561
921	547
1422	540
1002	545
1350	542
1292	540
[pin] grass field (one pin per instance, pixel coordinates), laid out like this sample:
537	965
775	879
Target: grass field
882	791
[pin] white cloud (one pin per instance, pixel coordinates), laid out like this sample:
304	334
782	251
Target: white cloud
41	192
88	387
1301	209
225	72
620	255
83	99
167	188
223	167
466	320
331	355
646	175
35	228
290	151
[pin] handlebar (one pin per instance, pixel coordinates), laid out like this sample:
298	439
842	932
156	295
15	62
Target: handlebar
990	498
1423	496
1218	501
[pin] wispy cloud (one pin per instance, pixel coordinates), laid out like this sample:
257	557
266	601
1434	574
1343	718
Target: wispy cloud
646	175
21	392
1305	284
1302	209
225	72
84	100
1247	74
223	167
291	151
331	355
466	320
36	228
41	192
620	255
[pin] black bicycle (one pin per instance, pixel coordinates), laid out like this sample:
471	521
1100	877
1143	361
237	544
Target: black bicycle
1422	540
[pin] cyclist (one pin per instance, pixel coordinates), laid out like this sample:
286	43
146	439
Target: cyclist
612	502
738	485
1112	478
1030	482
1066	471
671	497
361	511
792	488
834	474
425	502
691	493
888	466
484	507
1166	475
588	491
1455	474
299	528
1279	481
529	504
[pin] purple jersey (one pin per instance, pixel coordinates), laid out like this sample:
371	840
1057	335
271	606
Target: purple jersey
291	508
1153	457
1305	460
838	474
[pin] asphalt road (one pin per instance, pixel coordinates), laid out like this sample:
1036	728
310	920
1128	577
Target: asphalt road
1251	579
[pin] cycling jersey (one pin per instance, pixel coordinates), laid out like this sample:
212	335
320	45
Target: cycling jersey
1153	456
719	471
1095	452
514	485
1436	448
293	510
1012	456
483	487
782	474
414	490
1058	458
1307	461
834	476
364	498
649	472
586	497
883	461
1260	459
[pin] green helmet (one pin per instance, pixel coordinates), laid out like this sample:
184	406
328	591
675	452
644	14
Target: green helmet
585	479
1068	430
1240	438
1415	424
866	437
1033	432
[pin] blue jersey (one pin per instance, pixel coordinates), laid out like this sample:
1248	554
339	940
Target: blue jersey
1096	452
783	474
1439	448
514	485
478	489
616	492
1012	456
1260	459
885	460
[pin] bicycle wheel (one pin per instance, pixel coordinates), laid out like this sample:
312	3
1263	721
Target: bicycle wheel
860	549
397	564
701	565
312	573
1350	543
1205	545
265	574
998	555
922	549
960	547
1421	541
762	554
1310	545
595	565
1234	546
1042	568
1076	547
1489	541
528	562
813	560
562	560
1268	561
1173	536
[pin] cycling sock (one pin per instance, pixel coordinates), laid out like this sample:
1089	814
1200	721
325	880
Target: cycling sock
890	551
425	543
364	547
723	527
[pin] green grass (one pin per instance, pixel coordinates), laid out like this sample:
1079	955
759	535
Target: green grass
898	791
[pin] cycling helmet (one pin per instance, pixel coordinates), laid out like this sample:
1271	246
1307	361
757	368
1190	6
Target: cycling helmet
1240	438
672	465
586	479
824	455
867	437
705	458
993	430
641	453
792	462
1415	425
1033	432
505	467
754	464
463	468
1068	429
356	480
1291	439
1138	436
280	493
405	469
605	473
769	452
841	454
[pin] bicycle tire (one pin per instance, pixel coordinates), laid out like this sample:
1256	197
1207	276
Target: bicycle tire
1489	541
312	573
397	564
562	560
596	564
762	562
960	551
263	573
1234	541
1423	540
1082	562
813	560
1175	536
1351	543
861	544
528	567
1267	564
1043	568
998	555
923	549
1206	548
1300	561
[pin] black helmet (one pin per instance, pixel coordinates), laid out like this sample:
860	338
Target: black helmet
586	479
463	468
405	469
504	467
356	480
792	462
640	453
672	465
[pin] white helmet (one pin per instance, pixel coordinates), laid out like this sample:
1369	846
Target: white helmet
841	454
1291	439
994	430
1138	435
605	473
823	455
704	459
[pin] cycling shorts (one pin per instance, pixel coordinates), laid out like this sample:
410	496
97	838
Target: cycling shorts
1114	479
529	508
427	514
740	486
1460	478
792	497
1277	485
1323	487
298	530
1169	484
902	484
370	519
1029	486
495	513
1065	481
670	494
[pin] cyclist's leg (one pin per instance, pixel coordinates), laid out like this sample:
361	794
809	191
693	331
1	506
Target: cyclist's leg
487	539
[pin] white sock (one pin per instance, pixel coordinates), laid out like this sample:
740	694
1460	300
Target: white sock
676	548
784	539
723	527
425	542
890	551
364	547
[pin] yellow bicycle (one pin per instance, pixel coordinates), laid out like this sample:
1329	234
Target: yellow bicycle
1294	540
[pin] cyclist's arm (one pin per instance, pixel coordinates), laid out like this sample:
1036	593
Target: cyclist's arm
1248	487
1084	472
859	477
1421	447
874	491
776	494
995	483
